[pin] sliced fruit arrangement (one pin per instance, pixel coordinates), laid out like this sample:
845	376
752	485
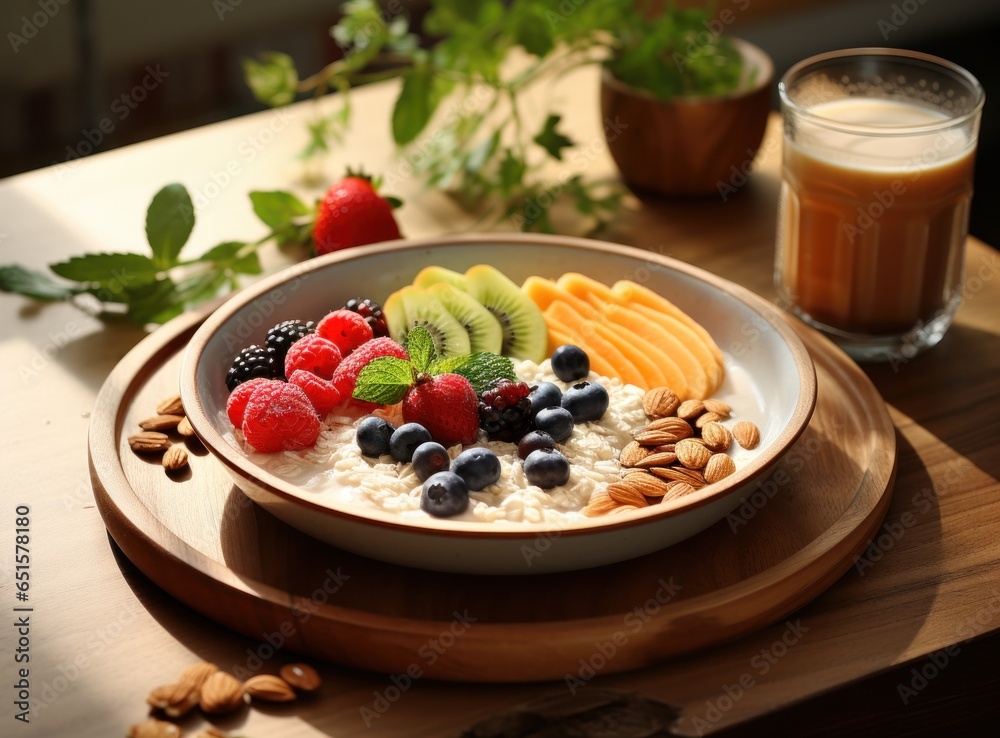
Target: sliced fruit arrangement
629	332
481	310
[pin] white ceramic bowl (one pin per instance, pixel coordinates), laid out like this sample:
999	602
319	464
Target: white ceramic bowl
769	379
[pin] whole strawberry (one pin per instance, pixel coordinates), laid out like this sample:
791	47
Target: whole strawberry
352	213
446	405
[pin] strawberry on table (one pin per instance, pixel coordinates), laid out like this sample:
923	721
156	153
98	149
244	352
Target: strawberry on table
352	213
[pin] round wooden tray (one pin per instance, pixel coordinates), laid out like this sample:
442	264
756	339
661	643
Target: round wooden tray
208	545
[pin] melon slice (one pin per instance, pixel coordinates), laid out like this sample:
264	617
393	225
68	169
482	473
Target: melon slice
595	344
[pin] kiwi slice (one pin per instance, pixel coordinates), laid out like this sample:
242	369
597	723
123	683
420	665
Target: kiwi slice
395	317
525	335
423	309
485	331
439	275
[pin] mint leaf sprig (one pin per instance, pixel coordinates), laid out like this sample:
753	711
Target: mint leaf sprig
159	285
386	380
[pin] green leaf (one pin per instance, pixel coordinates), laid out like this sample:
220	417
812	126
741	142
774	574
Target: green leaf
482	152
420	346
384	380
157	302
480	369
21	281
169	221
532	30
111	271
227	256
550	139
277	208
511	172
422	90
273	80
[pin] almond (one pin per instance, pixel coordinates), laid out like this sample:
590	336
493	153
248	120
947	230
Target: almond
746	434
680	474
184	428
625	508
625	494
154	729
221	693
633	454
718	407
170	406
660	402
681	428
716	436
692	453
718	468
664	458
148	442
269	688
677	489
175	459
690	409
707	418
175	700
196	674
160	422
645	484
666	448
600	504
301	676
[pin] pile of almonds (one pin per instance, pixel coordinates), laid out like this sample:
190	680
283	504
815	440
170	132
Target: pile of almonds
215	692
154	438
682	449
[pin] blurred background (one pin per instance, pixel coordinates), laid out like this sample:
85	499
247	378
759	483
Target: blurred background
67	65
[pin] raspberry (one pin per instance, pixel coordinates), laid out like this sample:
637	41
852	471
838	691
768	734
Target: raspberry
315	354
347	373
371	311
284	334
322	394
446	405
236	405
280	419
346	329
505	411
253	362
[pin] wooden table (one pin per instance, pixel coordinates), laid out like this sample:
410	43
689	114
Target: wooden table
102	635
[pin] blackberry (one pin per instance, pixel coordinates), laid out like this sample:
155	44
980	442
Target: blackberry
283	335
505	411
371	311
254	362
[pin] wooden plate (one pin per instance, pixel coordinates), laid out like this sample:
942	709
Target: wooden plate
204	542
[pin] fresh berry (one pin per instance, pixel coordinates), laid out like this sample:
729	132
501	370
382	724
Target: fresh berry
570	363
479	467
446	405
371	311
236	405
543	395
430	458
534	441
351	214
444	495
321	392
280	419
405	439
556	421
585	401
283	335
373	436
347	373
314	354
505	411
346	329
546	468
254	362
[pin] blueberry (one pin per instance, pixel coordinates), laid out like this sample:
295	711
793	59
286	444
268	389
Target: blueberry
373	436
430	458
570	362
479	467
546	468
444	495
585	401
556	421
534	441
543	395
405	439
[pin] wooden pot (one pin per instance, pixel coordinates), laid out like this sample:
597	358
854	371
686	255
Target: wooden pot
688	146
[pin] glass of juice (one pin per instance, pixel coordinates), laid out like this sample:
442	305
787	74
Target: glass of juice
877	164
